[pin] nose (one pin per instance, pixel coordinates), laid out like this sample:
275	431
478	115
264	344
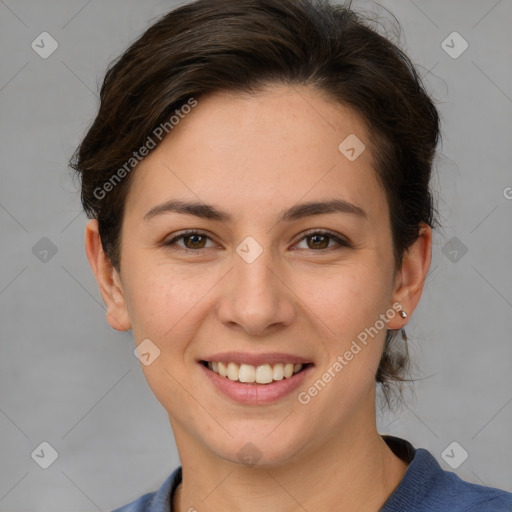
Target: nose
256	297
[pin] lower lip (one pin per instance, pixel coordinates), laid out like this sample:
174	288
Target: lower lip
256	394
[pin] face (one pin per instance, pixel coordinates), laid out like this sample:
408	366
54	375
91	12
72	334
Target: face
253	279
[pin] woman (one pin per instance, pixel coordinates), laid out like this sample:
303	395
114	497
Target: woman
257	180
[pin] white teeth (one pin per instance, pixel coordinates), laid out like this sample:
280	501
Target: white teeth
262	374
222	370
233	371
278	373
247	373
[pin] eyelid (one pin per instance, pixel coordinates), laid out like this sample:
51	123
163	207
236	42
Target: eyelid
339	239
185	233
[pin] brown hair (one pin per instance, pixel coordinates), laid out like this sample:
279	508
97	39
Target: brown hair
242	45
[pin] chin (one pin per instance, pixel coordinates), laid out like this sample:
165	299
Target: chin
260	449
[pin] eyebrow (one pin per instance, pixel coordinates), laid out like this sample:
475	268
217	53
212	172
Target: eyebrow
299	211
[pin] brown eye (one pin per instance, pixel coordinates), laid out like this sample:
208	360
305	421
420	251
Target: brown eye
196	241
320	240
193	241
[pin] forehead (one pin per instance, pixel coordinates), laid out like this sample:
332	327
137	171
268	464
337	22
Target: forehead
279	145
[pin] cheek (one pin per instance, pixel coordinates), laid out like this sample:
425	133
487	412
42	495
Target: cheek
348	298
161	297
348	323
347	302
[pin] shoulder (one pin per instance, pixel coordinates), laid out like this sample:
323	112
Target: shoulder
500	503
158	501
469	497
427	487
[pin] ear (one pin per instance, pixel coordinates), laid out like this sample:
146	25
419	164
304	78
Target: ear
108	279
411	277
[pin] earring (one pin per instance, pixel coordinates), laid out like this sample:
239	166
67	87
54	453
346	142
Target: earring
403	314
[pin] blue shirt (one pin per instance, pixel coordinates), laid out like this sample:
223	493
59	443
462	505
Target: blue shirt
425	487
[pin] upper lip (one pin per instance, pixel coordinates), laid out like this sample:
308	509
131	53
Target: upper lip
256	359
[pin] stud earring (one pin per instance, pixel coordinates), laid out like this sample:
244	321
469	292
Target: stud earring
403	314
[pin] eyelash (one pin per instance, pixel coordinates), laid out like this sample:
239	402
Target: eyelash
185	234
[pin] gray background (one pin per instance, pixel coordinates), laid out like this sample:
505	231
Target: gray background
68	379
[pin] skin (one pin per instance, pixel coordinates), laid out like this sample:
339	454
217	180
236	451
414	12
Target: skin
254	156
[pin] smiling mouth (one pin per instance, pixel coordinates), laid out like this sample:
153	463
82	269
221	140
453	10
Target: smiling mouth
249	374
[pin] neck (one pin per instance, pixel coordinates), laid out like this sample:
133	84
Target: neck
354	470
